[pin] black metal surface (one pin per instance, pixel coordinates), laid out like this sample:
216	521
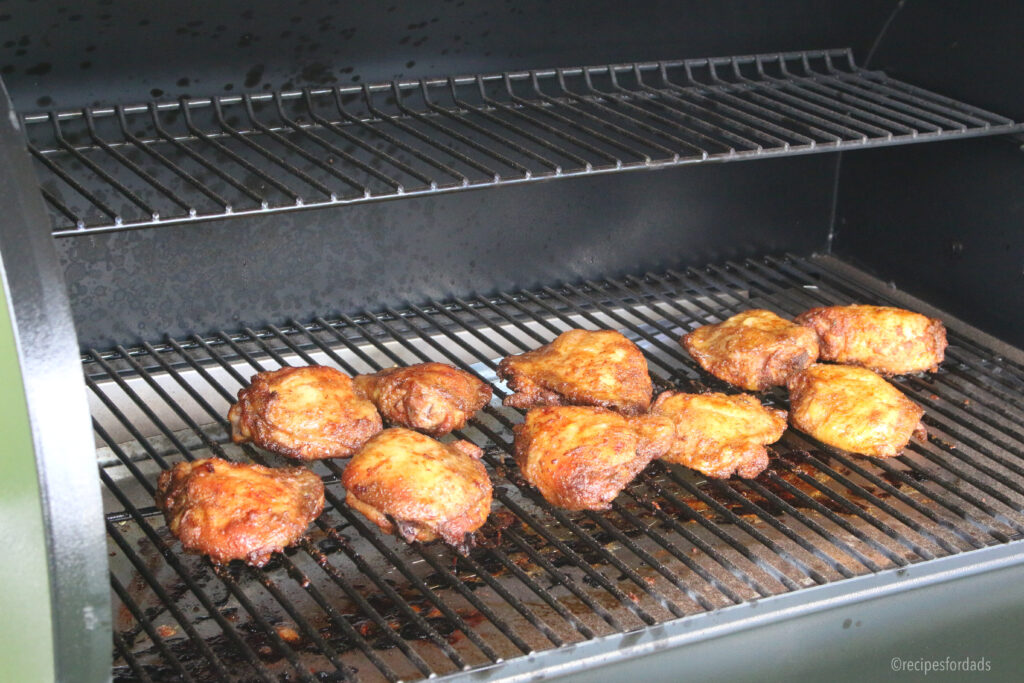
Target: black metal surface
65	55
946	227
131	166
949	223
349	602
69	504
302	264
852	642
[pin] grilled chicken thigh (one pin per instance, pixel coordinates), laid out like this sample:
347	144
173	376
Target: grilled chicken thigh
718	434
853	409
890	341
431	397
580	367
407	482
755	349
233	511
306	413
581	457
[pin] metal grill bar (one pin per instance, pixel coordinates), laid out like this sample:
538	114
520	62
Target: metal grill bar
349	602
132	166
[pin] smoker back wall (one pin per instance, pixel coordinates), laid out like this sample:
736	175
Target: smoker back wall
70	55
135	287
140	285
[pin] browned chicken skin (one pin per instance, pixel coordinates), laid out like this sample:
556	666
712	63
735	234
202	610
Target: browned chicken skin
580	367
232	511
720	435
890	341
853	409
432	397
307	413
427	488
755	349
581	457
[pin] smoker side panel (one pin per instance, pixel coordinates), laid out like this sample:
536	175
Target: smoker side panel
46	390
946	223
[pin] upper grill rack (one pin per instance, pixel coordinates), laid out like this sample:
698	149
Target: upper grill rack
115	168
352	603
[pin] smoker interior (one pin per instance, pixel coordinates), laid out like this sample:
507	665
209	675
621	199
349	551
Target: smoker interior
351	602
228	190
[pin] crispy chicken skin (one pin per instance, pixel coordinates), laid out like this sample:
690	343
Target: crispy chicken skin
580	367
890	341
581	457
306	413
431	397
425	488
233	511
754	350
853	409
720	435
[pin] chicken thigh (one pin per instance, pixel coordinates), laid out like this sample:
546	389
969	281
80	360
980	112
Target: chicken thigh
581	457
232	511
754	350
720	435
853	409
306	413
580	367
409	483
890	341
430	397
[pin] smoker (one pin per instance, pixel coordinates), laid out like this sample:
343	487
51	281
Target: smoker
192	194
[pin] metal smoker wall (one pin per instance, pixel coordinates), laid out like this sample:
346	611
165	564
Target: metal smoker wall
130	287
140	285
947	223
72	55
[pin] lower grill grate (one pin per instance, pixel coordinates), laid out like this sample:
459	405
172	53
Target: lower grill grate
351	603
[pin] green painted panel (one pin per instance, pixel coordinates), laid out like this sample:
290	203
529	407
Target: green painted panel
26	629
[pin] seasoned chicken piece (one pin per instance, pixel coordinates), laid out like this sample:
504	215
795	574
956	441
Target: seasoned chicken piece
720	435
581	457
232	511
890	341
853	409
432	397
755	349
580	367
306	413
425	488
